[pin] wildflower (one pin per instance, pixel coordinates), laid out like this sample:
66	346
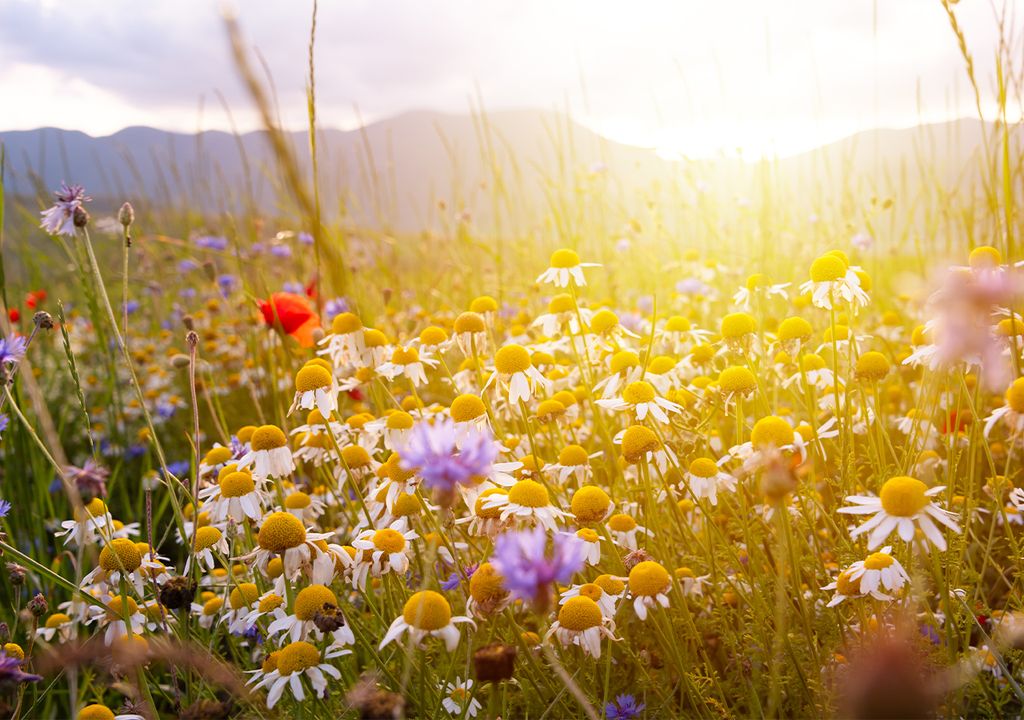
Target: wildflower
879	569
832	279
407	361
60	219
120	558
292	314
436	453
12	350
625	707
566	269
383	550
529	569
641	399
648	584
207	539
513	364
90	479
581	622
269	454
624	529
237	495
1012	410
705	478
314	388
285	669
426	614
459	700
590	504
487	593
5	506
281	533
527	501
758	286
903	505
309	601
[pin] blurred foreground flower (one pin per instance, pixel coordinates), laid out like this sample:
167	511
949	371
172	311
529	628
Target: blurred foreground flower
529	570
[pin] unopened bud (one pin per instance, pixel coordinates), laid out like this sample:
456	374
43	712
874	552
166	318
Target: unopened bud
126	215
179	361
43	319
80	217
188	322
16	574
38	605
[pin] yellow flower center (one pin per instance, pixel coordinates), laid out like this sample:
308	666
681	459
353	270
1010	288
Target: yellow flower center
298	500
878	561
638	392
561	303
592	591
648	578
119	605
355	456
433	335
268	437
604	321
621	522
96	712
311	600
207	537
828	268
1015	395
467	407
872	366
270	603
529	493
512	359
407	504
637	441
486	584
589	503
388	540
469	322
485	512
794	328
771	431
903	496
610	584
846	585
217	455
405	356
427	610
280	531
564	258
120	554
236	484
737	325
684	572
984	258
243	595
737	379
296	657
549	410
579	613
345	323
56	620
704	467
312	377
587	535
623	360
399	420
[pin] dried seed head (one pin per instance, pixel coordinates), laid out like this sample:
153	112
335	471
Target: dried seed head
635	558
80	217
177	593
189	322
38	605
373	703
16	574
43	319
494	663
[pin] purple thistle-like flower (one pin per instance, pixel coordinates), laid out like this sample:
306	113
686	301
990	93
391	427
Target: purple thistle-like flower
11	672
60	219
625	707
522	558
90	479
12	350
433	452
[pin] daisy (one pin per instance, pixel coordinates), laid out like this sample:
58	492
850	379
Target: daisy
758	286
269	454
1012	411
283	534
207	539
879	569
596	593
832	279
315	388
120	559
640	398
514	368
581	622
406	361
527	502
58	625
121	612
345	344
691	583
381	551
624	529
705	479
286	667
904	505
91	521
310	601
459	700
648	584
591	545
565	270
487	593
237	495
426	614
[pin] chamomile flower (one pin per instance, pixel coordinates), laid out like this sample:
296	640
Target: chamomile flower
649	583
591	545
689	582
514	369
237	495
206	540
309	602
565	270
1011	413
426	614
624	529
832	280
641	399
705	479
345	343
119	559
92	521
758	287
269	455
287	667
487	593
879	570
315	388
904	504
459	700
595	592
122	612
58	626
527	502
282	534
382	551
581	622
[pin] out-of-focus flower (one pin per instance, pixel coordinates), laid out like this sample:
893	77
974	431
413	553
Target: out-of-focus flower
292	313
60	218
522	558
12	350
444	458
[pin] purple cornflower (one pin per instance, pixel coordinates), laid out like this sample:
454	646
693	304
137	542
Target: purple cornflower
5	507
521	557
11	672
12	350
226	283
305	238
456	578
625	707
433	450
3	422
212	242
90	479
60	219
281	251
335	306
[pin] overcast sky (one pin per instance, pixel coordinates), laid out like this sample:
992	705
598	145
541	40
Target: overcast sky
699	76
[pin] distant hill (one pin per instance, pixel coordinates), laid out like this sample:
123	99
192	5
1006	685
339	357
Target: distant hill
420	168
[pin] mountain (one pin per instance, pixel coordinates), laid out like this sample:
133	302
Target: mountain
419	169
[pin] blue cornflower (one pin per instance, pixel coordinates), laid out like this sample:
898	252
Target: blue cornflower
625	707
3	422
281	251
60	219
438	455
11	672
453	581
5	507
212	242
529	569
226	283
12	349
335	306
305	238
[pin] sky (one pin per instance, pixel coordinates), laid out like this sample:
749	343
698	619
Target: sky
687	77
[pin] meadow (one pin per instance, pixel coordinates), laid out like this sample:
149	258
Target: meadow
731	445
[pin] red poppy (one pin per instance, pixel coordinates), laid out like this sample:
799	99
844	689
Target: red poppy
13	315
311	288
292	314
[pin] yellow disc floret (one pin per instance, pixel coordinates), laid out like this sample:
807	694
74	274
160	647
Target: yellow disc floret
236	484
590	503
268	437
648	578
296	657
312	600
579	613
312	377
903	496
771	431
120	554
512	359
427	610
529	493
281	531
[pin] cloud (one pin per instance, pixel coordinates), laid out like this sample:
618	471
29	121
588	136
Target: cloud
639	70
